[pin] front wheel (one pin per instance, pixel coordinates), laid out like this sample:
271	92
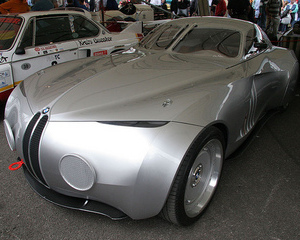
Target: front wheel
197	179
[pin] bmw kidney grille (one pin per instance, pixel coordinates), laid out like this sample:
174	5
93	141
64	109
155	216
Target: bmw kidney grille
31	144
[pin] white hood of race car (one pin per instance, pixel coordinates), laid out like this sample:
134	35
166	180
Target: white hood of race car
124	87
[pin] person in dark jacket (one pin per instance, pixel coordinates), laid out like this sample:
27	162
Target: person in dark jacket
262	14
183	8
180	7
111	5
70	3
80	4
239	9
42	5
273	11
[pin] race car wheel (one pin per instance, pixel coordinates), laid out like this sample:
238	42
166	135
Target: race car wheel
197	179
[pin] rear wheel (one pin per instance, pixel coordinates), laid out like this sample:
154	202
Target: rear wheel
197	179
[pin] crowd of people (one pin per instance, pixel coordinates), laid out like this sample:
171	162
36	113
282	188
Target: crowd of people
21	6
273	16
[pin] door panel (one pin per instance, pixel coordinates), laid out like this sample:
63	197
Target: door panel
41	57
47	41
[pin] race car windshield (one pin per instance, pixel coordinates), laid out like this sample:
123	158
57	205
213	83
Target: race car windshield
198	40
9	28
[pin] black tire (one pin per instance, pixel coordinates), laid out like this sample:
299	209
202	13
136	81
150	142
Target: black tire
196	180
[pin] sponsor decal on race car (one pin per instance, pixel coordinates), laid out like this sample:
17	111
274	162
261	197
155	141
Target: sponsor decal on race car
87	42
47	49
53	59
3	76
26	66
105	39
3	59
100	53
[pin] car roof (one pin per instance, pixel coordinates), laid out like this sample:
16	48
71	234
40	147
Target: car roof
216	22
49	13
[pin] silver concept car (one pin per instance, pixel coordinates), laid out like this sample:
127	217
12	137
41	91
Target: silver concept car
145	132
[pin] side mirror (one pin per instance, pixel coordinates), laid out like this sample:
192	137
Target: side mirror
20	51
261	45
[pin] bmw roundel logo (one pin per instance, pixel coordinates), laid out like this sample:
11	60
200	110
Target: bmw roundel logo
45	110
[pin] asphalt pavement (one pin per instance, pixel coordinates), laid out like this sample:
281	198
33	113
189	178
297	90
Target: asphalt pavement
258	197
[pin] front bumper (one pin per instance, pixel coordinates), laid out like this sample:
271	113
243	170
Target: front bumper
72	202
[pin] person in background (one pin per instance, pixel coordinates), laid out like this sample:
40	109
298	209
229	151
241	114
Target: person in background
165	7
183	8
294	12
194	8
273	10
14	6
54	2
221	8
285	17
239	9
42	5
80	4
261	21
256	7
298	10
174	7
111	5
156	2
70	3
213	6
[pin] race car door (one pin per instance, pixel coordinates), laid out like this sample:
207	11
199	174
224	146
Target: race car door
47	40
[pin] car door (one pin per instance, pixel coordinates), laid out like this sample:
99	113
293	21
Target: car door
47	40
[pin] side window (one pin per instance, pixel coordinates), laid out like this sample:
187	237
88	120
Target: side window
264	38
230	45
84	28
27	40
250	40
52	29
256	42
9	28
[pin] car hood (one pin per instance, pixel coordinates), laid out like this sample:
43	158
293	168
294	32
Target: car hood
134	85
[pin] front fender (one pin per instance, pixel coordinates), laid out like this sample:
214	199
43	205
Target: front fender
132	168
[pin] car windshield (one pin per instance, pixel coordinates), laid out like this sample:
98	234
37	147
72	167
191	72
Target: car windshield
9	28
162	37
224	41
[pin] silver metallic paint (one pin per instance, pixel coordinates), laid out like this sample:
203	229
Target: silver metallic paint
125	159
135	167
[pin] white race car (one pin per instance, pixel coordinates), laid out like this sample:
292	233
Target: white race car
35	40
